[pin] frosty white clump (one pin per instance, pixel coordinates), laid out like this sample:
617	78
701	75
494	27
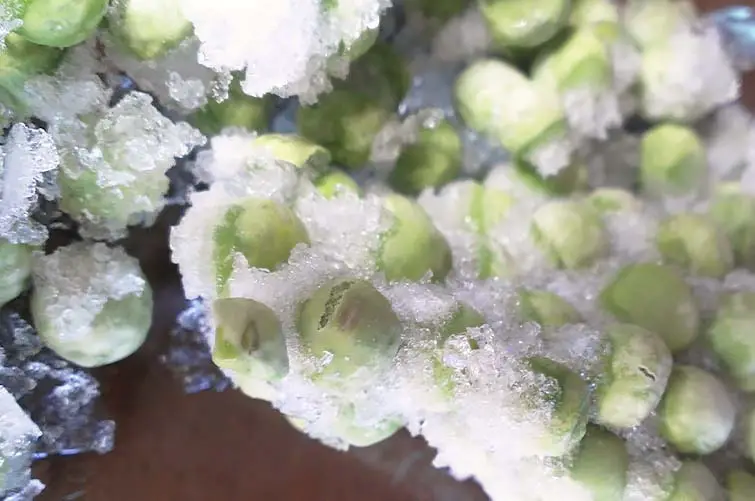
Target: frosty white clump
17	440
93	318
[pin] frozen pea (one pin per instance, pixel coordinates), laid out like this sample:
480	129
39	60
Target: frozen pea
463	318
695	482
655	297
733	211
359	47
15	269
696	413
568	180
249	341
237	110
495	98
672	160
546	308
263	231
90	303
148	28
740	486
695	243
612	200
60	23
569	397
731	336
352	325
581	62
20	61
354	434
334	182
488	208
652	22
600	464
430	162
295	149
638	368
524	23
587	13
571	233
413	246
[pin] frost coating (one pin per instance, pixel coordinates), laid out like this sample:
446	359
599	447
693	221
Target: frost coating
305	34
18	435
91	303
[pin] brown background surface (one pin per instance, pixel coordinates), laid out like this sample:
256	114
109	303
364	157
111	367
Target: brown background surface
224	446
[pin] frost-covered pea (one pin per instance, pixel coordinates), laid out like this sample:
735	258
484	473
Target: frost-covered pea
488	208
696	413
611	200
60	23
652	22
672	160
546	308
237	110
334	182
655	297
433	160
589	13
600	464
581	62
463	318
568	398
740	486
351	325
733	211
696	244
20	61
413	246
249	342
148	28
638	369
18	437
15	269
522	179
296	150
570	233
265	232
524	23
90	303
695	482
359	47
731	336
495	98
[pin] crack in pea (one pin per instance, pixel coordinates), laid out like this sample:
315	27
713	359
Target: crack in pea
647	373
334	299
250	338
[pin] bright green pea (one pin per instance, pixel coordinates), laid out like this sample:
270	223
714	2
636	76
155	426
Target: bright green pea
547	309
334	182
600	465
582	61
263	231
569	396
350	323
571	233
249	341
733	211
695	243
731	336
696	413
657	298
15	270
672	160
495	98
695	482
524	23
237	110
148	28
587	13
612	200
61	23
412	247
637	373
740	486
430	162
295	150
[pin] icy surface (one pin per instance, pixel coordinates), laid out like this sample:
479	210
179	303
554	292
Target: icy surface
304	35
17	436
26	159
